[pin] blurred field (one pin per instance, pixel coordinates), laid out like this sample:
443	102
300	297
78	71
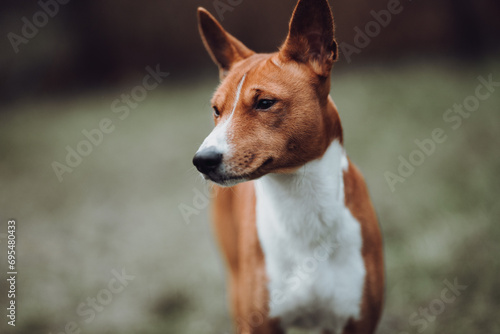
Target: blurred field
120	207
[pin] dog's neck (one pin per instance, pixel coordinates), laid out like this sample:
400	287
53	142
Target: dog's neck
308	201
299	215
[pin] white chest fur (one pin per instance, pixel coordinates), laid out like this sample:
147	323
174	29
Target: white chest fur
312	244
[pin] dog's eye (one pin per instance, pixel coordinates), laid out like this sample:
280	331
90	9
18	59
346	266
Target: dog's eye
216	111
264	104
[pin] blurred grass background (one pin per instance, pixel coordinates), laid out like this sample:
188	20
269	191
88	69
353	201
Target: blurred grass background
119	209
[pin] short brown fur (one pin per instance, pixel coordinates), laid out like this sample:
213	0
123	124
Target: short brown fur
297	131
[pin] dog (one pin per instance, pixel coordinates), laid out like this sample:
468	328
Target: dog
291	212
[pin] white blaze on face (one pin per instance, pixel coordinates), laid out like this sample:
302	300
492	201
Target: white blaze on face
218	137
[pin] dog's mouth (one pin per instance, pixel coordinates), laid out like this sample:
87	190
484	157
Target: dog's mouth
228	179
225	180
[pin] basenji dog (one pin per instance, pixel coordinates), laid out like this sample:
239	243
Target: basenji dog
291	212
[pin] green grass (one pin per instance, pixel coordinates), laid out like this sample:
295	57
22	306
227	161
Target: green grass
120	207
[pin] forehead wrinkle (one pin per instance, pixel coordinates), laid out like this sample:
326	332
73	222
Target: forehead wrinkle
270	86
275	61
225	94
238	93
237	96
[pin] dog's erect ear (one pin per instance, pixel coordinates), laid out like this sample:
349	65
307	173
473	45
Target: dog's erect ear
224	49
311	36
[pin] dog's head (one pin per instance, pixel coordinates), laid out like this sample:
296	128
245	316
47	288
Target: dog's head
272	112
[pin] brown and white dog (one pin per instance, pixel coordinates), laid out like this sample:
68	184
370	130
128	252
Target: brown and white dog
297	227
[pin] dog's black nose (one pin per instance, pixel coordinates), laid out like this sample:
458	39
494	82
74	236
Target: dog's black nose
207	160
